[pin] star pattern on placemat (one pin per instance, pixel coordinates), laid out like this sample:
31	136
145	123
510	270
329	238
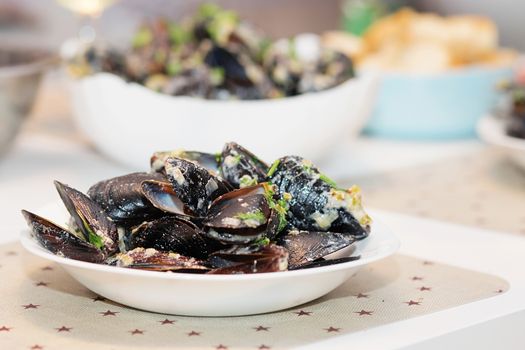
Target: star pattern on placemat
364	313
261	328
193	334
425	289
166	321
303	313
41	284
64	329
332	329
361	295
36	347
109	313
136	331
5	329
263	347
221	347
31	306
47	268
412	302
11	253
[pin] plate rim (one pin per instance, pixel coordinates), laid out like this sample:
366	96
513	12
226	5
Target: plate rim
388	244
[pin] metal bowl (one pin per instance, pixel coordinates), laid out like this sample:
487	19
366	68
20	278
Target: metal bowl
21	71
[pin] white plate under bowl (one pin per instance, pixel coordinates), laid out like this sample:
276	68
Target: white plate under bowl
492	131
216	295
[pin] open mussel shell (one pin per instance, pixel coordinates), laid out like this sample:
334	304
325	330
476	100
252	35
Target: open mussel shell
89	218
60	241
205	160
307	246
122	199
240	216
240	167
195	186
173	234
249	259
315	204
162	196
154	260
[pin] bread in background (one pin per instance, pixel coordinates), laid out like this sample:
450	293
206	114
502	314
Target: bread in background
423	42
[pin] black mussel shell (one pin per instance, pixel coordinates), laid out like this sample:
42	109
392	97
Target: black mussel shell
60	241
195	186
122	199
240	167
308	246
315	203
162	196
240	216
89	218
205	160
327	262
249	259
154	260
171	234
234	72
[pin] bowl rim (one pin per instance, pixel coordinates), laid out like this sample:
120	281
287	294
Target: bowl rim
357	78
45	58
492	130
387	243
448	73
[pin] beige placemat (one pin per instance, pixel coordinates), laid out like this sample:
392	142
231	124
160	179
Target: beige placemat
482	189
41	307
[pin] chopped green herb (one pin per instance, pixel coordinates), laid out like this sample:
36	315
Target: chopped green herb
208	10
218	157
93	238
262	241
247	180
173	68
257	216
328	180
178	35
143	37
273	168
217	76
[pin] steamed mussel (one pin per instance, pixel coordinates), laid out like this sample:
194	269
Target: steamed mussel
195	212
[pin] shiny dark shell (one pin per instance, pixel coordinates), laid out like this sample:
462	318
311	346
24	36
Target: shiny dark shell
240	167
195	186
309	195
163	197
171	234
308	246
60	241
240	216
249	259
154	260
89	218
122	199
205	160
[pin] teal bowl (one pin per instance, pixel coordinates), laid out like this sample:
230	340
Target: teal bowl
435	106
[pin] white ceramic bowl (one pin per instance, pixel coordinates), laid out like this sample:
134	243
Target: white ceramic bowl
128	122
492	130
215	295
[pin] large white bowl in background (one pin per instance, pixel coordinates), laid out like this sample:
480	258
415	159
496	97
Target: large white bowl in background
128	122
214	295
492	131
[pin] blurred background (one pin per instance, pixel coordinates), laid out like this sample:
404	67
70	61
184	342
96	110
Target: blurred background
416	96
